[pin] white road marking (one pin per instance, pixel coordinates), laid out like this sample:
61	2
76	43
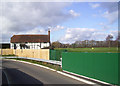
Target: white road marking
73	77
89	78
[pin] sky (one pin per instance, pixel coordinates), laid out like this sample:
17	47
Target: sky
67	21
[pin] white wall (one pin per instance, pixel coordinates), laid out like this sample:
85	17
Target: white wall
18	45
11	45
31	45
44	45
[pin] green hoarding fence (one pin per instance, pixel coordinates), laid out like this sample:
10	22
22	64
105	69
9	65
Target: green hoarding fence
100	66
56	54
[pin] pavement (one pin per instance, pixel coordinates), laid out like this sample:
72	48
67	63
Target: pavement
14	72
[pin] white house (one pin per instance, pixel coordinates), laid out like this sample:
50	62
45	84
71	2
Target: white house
30	41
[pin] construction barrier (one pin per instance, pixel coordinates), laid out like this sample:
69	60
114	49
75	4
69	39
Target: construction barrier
99	66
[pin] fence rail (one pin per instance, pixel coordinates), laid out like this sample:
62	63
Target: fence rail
38	59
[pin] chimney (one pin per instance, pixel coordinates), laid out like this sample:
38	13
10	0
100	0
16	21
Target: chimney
49	35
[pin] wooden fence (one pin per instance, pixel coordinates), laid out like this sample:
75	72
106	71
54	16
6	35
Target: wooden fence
33	53
6	51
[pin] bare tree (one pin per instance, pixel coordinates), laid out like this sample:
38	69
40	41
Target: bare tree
118	40
56	44
109	39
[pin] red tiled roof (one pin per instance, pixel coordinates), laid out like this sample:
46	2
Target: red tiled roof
29	38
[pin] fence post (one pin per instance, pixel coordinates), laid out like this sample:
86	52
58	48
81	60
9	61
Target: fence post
1	51
61	61
55	54
15	51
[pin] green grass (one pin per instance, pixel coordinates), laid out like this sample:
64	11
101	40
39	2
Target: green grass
8	55
56	67
98	49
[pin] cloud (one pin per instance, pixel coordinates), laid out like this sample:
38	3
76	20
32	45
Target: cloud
21	17
6	37
5	24
60	1
78	34
115	34
34	14
105	26
111	13
94	5
111	17
56	28
73	13
36	30
110	10
110	6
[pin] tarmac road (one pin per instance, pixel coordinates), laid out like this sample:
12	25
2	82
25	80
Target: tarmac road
21	73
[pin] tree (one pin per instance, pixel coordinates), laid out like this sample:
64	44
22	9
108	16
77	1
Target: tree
109	39
56	44
92	43
118	40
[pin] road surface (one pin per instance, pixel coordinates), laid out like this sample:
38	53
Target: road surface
21	73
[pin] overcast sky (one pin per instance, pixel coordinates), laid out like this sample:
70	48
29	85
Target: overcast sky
67	21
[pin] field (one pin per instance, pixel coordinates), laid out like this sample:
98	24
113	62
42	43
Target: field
96	49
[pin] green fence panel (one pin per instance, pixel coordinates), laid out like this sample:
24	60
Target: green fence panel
100	66
55	54
58	55
52	54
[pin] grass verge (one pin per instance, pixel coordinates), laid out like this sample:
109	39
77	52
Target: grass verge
56	67
94	49
8	55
